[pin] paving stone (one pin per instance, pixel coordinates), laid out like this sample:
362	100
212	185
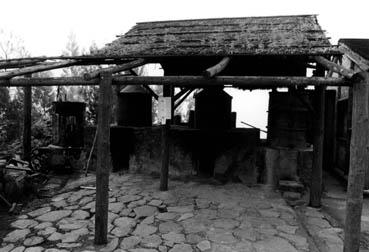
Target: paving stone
24	223
194	238
142	250
59	204
180	209
68	245
202	203
248	234
130	242
80	215
16	235
166	216
162	248
193	226
151	241
174	237
23	216
225	223
221	236
204	246
7	248
55	236
34	249
47	231
128	198
111	246
33	240
39	211
170	226
148	220
54	215
121	231
155	203
185	216
274	244
287	229
74	235
269	213
116	207
124	222
145	211
144	230
67	225
85	200
207	214
18	249
321	223
55	250
181	248
43	225
297	240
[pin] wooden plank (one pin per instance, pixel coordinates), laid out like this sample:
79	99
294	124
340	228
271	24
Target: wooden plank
103	159
348	73
244	82
115	69
27	123
37	68
359	163
318	141
165	156
361	62
216	69
183	98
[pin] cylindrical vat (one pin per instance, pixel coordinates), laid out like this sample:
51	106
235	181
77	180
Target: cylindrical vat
68	123
134	107
289	119
213	107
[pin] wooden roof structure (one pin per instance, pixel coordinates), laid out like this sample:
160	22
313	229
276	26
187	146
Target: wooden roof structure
273	35
357	50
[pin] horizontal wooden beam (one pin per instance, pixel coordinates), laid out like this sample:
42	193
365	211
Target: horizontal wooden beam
115	69
214	70
37	68
334	67
244	82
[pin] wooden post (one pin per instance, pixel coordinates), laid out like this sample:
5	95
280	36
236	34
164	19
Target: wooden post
165	156
27	123
317	169
103	158
359	162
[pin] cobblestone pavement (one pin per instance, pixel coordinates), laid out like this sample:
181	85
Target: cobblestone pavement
191	216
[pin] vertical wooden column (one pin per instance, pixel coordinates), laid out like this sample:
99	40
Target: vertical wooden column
168	91
359	162
165	156
103	158
27	123
318	142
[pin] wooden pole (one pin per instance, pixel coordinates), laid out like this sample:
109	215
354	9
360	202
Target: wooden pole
359	163
334	67
214	70
27	123
103	158
165	156
317	169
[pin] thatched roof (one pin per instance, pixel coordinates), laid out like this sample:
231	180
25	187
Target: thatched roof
276	35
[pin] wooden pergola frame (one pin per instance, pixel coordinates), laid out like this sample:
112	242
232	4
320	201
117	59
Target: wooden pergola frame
105	78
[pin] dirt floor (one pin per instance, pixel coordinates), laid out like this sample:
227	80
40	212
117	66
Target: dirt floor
200	215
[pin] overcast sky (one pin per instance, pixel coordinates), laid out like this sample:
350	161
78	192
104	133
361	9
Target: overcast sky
44	25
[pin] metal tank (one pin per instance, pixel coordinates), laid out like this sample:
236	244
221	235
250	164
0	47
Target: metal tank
134	107
213	108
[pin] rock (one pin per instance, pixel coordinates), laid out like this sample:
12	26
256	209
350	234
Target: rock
68	245
321	223
170	226
121	231
47	231
155	203
145	211
130	242
55	236
269	213
74	235
166	216
113	244
68	225
248	234
162	248
194	238
128	198
185	216
142	250
148	220
124	222
34	249
174	237
287	229
23	223
116	207
80	215
193	226
16	235
181	248
54	215
204	245
181	209
225	223
144	230
43	225
39	211
33	240
221	236
274	244
55	250
151	241
18	249
7	248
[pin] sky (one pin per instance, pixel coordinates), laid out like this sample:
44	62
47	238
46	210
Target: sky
44	25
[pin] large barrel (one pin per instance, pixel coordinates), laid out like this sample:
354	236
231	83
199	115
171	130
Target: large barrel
134	107
213	108
289	119
68	123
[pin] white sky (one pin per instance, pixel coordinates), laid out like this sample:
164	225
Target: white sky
44	25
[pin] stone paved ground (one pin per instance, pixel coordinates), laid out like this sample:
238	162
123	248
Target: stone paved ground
189	217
